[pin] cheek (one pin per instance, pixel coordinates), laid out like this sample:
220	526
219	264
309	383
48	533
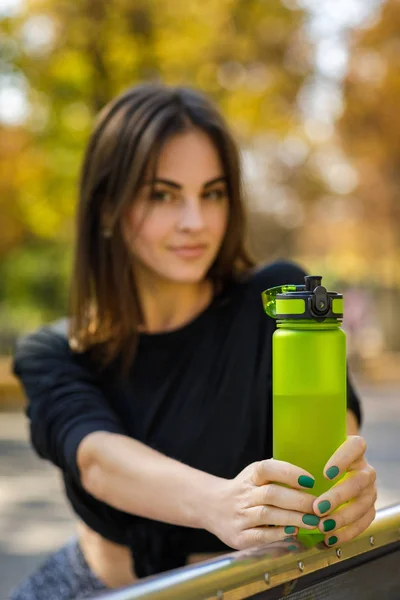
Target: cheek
145	231
219	220
136	218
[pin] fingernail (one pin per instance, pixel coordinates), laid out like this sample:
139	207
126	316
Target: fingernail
332	540
291	548
324	506
290	539
329	524
290	529
332	472
306	481
310	519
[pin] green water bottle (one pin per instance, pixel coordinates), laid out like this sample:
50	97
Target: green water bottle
308	376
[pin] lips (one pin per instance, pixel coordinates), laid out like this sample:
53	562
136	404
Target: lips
194	247
189	251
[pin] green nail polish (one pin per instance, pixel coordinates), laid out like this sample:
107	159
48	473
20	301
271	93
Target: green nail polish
291	548
329	524
310	519
332	540
306	481
332	472
290	539
324	506
290	529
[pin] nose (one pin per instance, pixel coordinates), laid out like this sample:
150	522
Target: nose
191	216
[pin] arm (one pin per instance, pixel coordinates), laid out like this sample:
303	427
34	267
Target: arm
64	401
352	423
134	478
68	411
354	412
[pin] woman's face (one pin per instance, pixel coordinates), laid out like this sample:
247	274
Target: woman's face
176	233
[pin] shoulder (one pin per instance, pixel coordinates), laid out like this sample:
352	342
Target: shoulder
49	341
262	277
276	273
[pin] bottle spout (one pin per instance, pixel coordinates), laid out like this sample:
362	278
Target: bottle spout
312	282
269	297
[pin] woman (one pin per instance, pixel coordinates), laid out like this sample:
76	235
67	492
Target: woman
154	398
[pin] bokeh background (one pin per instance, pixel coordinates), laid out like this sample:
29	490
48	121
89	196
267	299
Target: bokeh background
311	89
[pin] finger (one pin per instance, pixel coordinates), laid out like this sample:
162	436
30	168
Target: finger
351	486
274	549
352	531
276	495
278	471
349	513
290	544
349	452
271	515
361	463
257	536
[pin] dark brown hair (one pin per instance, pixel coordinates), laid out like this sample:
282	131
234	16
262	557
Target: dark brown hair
128	137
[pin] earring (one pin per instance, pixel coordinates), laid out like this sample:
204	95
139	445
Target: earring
107	232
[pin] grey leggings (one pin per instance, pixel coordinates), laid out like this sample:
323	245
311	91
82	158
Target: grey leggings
64	575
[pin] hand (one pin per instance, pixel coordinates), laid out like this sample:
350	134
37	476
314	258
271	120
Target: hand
245	508
348	507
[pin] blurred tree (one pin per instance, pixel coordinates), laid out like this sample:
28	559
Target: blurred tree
370	129
370	132
71	58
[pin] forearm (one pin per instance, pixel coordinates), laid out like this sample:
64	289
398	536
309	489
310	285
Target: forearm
352	424
136	479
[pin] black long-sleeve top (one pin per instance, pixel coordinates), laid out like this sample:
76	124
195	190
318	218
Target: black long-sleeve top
201	394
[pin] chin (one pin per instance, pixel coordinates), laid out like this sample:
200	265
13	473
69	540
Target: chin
188	275
186	278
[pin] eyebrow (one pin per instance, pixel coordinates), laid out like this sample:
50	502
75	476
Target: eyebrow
179	187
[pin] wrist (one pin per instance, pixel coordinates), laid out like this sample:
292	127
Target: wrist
209	502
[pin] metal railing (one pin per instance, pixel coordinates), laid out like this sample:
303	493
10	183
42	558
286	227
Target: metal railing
245	573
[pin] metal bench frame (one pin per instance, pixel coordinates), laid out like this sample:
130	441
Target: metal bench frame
261	570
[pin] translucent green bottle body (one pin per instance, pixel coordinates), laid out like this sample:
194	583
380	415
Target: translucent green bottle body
309	395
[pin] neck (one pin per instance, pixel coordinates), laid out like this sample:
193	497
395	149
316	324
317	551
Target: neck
169	305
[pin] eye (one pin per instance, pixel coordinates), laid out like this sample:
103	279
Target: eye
215	194
161	196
